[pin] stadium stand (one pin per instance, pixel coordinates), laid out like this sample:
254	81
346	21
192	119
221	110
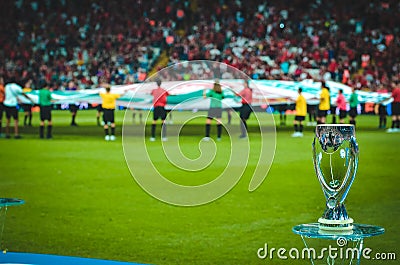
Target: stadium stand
353	43
356	42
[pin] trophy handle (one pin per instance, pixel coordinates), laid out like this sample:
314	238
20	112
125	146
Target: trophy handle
320	175
353	165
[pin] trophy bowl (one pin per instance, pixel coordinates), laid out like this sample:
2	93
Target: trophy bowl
335	158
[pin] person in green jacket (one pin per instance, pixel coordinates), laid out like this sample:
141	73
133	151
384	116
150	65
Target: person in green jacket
216	96
45	101
353	101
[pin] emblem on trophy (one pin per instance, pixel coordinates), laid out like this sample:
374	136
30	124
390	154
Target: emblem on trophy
335	157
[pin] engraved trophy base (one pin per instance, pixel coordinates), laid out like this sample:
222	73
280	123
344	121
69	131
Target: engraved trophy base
327	226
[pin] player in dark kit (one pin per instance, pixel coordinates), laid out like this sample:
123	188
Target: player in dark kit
395	109
353	102
2	97
27	107
247	97
45	100
342	106
99	109
380	109
159	112
108	105
73	107
301	112
215	111
12	91
324	104
282	108
312	114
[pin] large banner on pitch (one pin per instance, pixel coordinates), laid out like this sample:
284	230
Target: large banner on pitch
188	94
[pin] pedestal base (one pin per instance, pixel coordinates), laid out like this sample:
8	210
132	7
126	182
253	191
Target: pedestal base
355	236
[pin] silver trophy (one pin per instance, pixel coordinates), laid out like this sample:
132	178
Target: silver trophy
335	157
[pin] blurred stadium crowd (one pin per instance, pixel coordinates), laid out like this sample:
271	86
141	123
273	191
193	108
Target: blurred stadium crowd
120	42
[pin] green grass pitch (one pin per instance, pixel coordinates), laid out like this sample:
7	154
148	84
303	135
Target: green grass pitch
81	199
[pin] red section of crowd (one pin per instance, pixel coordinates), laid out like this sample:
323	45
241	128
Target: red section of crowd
354	42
